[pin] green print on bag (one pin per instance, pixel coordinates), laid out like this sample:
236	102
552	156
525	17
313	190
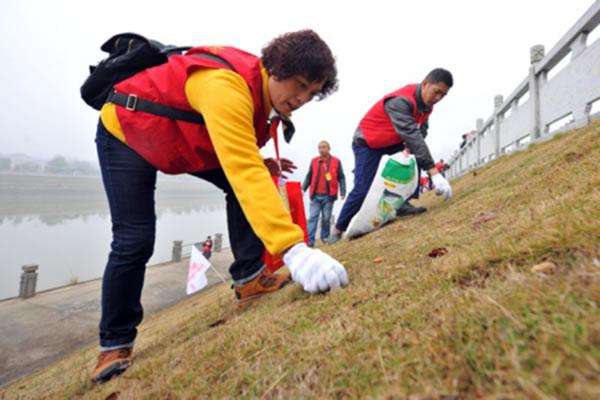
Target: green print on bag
398	172
386	209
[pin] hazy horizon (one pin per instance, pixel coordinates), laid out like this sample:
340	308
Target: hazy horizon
47	47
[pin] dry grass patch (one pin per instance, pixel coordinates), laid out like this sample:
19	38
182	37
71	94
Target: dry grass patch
475	322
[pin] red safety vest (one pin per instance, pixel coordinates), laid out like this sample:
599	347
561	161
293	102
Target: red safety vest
376	126
333	168
177	146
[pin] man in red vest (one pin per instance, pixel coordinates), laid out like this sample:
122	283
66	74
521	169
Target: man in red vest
323	179
397	121
241	99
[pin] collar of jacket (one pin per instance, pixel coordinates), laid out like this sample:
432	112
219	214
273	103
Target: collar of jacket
288	126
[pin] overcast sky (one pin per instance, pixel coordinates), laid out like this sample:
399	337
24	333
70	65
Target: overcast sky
46	47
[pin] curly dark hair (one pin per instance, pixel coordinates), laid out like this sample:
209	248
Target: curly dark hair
302	53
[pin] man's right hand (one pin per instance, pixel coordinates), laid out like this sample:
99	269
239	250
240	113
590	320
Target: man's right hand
314	270
441	185
277	168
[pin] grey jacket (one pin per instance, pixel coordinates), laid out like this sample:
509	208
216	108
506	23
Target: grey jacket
400	112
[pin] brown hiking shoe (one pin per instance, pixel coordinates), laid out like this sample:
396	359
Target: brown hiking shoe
111	363
265	283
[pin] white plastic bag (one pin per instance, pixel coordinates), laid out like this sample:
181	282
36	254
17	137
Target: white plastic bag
396	180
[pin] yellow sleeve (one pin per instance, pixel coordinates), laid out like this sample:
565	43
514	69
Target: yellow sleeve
108	115
224	100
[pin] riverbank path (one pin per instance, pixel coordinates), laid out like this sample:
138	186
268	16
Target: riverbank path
37	331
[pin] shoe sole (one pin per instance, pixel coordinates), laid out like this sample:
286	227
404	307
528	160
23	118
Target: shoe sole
110	372
243	303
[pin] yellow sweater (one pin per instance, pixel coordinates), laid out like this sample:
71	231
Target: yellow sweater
224	100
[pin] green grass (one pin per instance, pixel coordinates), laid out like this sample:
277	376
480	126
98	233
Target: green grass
475	323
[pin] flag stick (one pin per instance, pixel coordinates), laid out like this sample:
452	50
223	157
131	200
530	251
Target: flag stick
218	273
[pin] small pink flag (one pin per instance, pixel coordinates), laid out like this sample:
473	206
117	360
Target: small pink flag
197	272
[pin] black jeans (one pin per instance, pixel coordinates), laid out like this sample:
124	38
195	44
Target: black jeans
130	181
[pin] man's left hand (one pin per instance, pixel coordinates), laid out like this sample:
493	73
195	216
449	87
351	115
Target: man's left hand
441	185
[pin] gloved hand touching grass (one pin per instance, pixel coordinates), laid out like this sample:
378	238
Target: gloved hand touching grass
442	186
316	271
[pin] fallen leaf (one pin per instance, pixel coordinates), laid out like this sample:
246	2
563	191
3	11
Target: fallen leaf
113	396
546	267
484	217
378	260
217	323
572	156
323	318
438	252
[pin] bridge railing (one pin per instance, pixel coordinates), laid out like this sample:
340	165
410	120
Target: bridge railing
549	100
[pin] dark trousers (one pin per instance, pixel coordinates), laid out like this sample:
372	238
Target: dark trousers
417	192
366	162
129	182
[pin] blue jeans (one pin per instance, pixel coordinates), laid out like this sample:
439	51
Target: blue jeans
366	162
319	204
129	182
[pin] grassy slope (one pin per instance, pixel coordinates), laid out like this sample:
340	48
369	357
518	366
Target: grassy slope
476	322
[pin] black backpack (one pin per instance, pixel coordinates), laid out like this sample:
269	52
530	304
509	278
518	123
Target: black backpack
128	54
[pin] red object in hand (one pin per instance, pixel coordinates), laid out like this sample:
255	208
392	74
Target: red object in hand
293	193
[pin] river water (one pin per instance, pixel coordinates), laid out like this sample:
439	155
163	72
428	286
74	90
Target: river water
63	225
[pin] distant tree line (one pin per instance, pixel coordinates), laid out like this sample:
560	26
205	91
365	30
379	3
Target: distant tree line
58	165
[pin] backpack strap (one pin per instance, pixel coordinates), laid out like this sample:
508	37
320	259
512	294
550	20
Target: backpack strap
132	102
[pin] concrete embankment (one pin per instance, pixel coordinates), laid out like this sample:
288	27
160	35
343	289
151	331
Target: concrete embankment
39	330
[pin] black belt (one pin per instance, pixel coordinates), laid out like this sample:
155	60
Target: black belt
132	102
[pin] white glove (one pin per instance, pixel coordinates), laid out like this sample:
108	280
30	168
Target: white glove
442	186
314	270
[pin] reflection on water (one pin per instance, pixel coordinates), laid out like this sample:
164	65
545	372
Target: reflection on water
58	218
66	230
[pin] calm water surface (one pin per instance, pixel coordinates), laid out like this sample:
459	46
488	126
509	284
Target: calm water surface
62	224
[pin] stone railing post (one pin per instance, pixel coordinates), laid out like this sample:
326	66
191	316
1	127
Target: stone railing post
177	250
28	281
478	128
218	242
581	113
498	100
536	54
